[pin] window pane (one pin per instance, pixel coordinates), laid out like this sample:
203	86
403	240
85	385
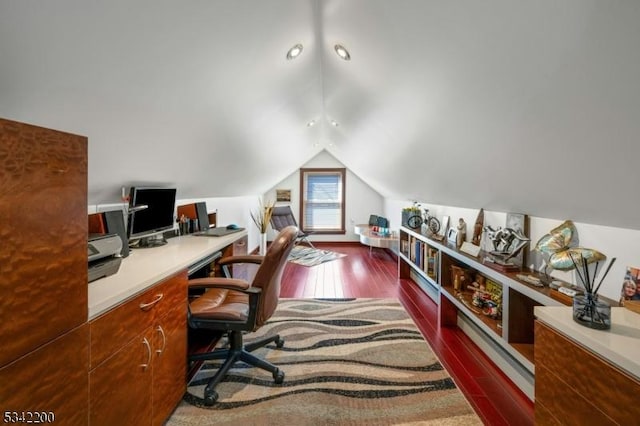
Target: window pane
322	204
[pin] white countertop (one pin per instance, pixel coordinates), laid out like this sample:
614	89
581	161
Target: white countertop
620	345
145	267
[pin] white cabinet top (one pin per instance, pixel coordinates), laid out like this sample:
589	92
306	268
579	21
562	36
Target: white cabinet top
620	345
145	267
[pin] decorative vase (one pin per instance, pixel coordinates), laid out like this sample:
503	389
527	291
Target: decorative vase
263	244
591	312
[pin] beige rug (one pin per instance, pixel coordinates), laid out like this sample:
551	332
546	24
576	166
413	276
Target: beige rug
347	362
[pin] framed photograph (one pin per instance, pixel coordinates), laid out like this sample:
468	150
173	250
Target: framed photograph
630	285
283	195
452	236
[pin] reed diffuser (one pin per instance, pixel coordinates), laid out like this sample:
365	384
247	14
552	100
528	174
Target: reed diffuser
587	309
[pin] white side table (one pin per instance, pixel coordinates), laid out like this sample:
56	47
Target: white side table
372	239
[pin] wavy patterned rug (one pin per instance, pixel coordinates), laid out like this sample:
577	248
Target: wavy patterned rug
347	362
309	256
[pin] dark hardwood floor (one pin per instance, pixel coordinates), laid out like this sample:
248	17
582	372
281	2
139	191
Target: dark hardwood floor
365	274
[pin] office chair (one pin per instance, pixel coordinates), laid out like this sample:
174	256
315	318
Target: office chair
235	306
281	217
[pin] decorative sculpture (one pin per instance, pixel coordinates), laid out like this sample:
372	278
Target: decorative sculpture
507	243
477	228
461	237
558	252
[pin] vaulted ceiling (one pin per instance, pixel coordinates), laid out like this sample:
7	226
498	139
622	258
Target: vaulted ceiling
527	106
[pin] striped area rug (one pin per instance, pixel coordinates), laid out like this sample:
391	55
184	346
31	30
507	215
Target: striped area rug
309	256
347	362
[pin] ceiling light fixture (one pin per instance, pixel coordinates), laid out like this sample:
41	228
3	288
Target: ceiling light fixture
334	123
342	52
294	52
311	123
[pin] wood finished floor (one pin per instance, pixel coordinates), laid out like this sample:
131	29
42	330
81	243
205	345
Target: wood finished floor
365	274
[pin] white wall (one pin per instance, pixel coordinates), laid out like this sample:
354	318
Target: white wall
613	242
361	199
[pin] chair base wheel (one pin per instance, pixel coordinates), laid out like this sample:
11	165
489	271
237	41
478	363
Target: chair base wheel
210	398
279	343
278	376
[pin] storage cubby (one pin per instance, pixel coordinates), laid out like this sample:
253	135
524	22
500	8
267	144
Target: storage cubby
494	308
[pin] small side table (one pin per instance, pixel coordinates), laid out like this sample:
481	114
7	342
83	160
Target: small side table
372	239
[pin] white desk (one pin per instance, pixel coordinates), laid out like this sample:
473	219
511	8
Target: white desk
145	267
371	239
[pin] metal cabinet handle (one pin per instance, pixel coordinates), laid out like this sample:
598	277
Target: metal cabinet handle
147	306
146	343
164	340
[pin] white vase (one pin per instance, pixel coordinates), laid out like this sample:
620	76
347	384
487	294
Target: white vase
263	244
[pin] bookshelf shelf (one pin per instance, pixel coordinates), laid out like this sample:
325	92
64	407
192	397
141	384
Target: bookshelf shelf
494	308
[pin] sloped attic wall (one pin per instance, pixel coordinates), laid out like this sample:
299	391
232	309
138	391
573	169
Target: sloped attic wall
361	199
530	106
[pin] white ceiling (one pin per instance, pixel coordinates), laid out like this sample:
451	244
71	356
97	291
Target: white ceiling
527	106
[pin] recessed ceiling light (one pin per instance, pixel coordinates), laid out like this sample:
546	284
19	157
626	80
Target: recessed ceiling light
342	52
334	123
294	52
311	123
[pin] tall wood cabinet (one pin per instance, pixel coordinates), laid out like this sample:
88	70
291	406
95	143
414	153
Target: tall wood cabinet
43	272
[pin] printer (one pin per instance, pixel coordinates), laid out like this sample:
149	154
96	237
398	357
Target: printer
104	255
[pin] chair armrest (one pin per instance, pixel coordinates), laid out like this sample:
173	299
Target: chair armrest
219	282
247	258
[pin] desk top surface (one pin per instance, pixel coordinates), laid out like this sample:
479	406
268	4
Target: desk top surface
145	267
620	345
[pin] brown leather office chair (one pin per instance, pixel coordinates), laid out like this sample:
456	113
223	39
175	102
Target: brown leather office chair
281	217
235	306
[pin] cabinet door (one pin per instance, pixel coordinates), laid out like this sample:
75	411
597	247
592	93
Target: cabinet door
52	379
120	388
43	237
170	363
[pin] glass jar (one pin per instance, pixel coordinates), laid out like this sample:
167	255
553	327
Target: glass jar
591	312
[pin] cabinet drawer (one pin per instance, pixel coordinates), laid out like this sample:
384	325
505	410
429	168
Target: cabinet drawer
117	327
571	380
52	378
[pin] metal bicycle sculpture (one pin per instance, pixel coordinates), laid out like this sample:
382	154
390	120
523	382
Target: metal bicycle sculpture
415	221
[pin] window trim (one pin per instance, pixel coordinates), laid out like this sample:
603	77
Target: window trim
343	176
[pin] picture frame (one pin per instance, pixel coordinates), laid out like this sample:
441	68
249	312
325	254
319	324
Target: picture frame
630	289
452	236
519	222
444	225
283	195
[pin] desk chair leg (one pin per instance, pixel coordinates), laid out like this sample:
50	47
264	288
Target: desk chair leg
250	347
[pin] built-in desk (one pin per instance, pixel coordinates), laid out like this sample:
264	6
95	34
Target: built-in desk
145	267
138	330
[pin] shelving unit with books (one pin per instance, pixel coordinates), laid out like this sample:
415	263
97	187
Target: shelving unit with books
419	256
493	308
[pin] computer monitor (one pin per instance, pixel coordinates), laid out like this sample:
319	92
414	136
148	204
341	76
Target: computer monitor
151	212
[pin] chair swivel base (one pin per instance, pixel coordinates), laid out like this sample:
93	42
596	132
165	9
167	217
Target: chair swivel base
238	352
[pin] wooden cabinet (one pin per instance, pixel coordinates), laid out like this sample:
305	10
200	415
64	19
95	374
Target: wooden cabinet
138	356
52	379
576	387
506	335
43	270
